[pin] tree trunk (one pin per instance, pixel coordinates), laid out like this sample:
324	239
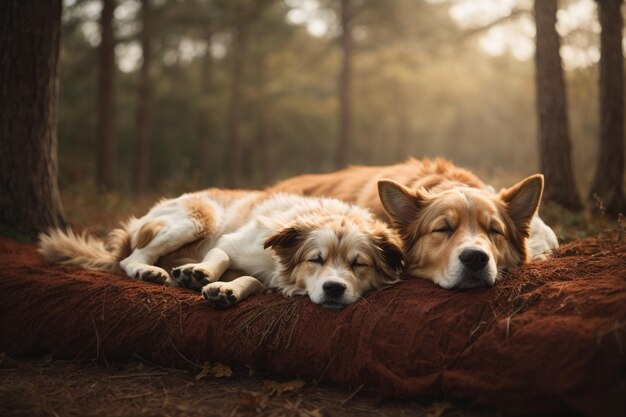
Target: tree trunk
106	99
262	139
234	133
142	144
30	33
345	87
554	140
204	115
609	175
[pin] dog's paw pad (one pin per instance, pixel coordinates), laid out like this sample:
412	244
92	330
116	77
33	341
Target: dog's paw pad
182	271
189	276
182	275
199	275
219	297
156	277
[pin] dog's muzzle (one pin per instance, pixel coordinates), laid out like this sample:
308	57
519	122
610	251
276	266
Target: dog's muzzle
333	294
474	272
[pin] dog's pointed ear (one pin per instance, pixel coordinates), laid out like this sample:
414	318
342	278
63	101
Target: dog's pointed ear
401	203
522	201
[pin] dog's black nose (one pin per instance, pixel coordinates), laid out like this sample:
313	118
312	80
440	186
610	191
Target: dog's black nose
474	259
334	289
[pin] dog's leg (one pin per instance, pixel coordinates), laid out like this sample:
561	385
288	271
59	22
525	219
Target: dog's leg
238	250
172	227
197	275
140	263
226	294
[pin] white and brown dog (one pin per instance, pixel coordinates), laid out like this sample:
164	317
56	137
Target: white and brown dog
328	249
457	231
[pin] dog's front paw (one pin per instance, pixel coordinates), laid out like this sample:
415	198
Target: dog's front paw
152	274
220	295
191	276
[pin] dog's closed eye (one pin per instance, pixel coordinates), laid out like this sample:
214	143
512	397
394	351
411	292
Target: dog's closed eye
356	263
494	230
317	260
445	228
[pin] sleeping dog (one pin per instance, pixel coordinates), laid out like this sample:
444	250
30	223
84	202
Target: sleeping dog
457	231
328	249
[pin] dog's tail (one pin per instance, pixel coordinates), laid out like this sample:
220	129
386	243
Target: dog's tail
69	248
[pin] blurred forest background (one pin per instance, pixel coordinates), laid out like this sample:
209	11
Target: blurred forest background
166	96
429	78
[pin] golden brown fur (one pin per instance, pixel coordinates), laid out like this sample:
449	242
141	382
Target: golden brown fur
426	197
358	184
146	233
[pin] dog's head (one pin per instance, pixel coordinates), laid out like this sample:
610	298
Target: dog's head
336	258
462	237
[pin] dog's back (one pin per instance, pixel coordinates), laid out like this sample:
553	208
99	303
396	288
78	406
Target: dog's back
358	184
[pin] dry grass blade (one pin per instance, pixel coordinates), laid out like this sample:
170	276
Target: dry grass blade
267	324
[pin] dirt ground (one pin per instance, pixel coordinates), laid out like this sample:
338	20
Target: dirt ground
58	388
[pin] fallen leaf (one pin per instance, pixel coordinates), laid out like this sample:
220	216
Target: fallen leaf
221	371
206	369
253	401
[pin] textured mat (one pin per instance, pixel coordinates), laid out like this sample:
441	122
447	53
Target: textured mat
550	337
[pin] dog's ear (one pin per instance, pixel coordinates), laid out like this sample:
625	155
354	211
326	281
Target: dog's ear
284	239
401	203
522	201
390	256
285	243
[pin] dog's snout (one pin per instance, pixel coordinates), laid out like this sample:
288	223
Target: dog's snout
474	259
334	289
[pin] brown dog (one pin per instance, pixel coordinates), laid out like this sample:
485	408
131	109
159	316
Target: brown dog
457	231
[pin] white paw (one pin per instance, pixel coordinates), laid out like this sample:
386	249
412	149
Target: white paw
193	276
221	295
151	273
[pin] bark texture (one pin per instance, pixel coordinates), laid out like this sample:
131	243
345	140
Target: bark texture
29	54
554	138
234	124
141	164
345	87
204	115
106	99
609	175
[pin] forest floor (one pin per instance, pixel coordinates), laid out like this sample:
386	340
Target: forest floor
48	387
51	387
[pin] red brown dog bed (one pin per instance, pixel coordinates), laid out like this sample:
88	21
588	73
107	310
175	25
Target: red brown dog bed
550	337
